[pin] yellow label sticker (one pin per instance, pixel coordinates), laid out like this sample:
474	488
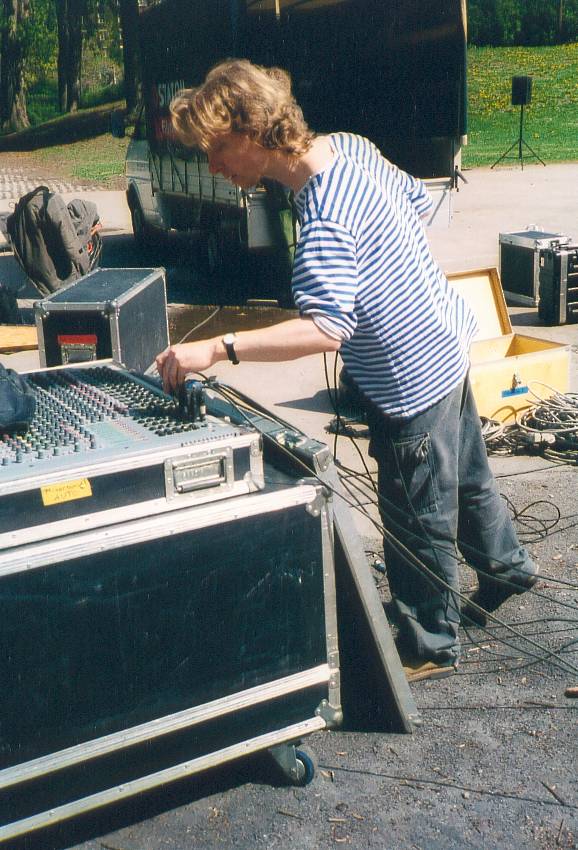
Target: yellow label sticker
66	491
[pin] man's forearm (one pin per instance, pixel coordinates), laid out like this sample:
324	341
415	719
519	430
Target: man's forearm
284	341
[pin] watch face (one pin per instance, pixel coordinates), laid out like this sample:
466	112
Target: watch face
229	339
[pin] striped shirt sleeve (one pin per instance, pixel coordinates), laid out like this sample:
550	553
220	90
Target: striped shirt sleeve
417	193
325	277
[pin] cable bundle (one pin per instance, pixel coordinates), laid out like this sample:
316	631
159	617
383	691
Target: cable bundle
549	427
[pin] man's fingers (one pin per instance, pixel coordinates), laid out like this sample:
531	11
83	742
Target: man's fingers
163	365
160	360
174	366
170	376
167	366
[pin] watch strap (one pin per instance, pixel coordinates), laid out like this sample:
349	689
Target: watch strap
229	343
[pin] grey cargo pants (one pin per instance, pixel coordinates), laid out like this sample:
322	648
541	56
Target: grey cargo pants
438	497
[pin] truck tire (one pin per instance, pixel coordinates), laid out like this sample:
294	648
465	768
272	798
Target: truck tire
223	248
139	228
212	250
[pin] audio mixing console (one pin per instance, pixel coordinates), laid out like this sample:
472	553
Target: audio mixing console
106	445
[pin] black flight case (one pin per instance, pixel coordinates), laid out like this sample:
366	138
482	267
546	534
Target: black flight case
116	313
559	285
520	263
153	638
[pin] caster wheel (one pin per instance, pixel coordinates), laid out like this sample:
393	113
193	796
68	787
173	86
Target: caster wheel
305	767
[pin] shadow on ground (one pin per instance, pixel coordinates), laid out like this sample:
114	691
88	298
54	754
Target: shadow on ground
85	124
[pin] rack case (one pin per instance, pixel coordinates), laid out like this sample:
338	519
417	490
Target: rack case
154	649
559	285
520	263
109	313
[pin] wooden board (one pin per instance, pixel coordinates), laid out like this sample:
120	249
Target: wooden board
18	338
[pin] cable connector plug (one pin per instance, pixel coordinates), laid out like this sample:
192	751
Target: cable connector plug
537	438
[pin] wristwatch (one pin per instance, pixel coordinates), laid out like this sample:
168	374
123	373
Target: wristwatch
229	343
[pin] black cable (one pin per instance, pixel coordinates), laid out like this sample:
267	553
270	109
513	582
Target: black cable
463	562
547	656
519	516
412	560
334	399
544	657
434	579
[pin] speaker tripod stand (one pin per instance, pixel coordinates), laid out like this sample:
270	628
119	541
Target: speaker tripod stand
520	143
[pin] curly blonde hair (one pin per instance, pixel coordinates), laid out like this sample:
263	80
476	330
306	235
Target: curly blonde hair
238	96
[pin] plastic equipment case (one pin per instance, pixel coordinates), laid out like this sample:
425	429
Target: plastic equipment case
504	364
520	263
109	313
154	649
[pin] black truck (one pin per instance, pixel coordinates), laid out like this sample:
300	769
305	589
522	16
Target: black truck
391	70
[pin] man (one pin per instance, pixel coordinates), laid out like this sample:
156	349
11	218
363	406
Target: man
366	285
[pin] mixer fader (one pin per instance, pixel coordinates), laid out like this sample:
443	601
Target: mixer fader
103	439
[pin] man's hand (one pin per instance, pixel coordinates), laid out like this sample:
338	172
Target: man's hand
177	361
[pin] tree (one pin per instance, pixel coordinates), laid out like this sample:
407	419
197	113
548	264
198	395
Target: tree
128	10
69	16
13	113
522	22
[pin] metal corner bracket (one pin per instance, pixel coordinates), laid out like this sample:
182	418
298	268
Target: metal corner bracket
332	716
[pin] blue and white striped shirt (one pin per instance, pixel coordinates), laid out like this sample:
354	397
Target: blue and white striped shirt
364	272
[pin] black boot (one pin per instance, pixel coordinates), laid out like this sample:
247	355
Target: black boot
489	597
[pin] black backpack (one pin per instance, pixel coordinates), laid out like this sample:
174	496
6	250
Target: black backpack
17	401
53	241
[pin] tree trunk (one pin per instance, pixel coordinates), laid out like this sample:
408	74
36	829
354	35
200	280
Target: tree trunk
13	112
560	19
63	46
69	15
74	64
129	25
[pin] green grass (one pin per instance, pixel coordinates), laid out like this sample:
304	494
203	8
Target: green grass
42	99
75	146
551	119
98	97
99	159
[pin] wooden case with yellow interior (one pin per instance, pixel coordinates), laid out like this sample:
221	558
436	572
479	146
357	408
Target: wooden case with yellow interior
509	371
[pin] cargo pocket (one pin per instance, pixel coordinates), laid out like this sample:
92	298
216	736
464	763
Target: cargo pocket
412	463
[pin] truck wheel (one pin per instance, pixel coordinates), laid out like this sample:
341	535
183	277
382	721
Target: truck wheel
222	247
139	227
213	250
